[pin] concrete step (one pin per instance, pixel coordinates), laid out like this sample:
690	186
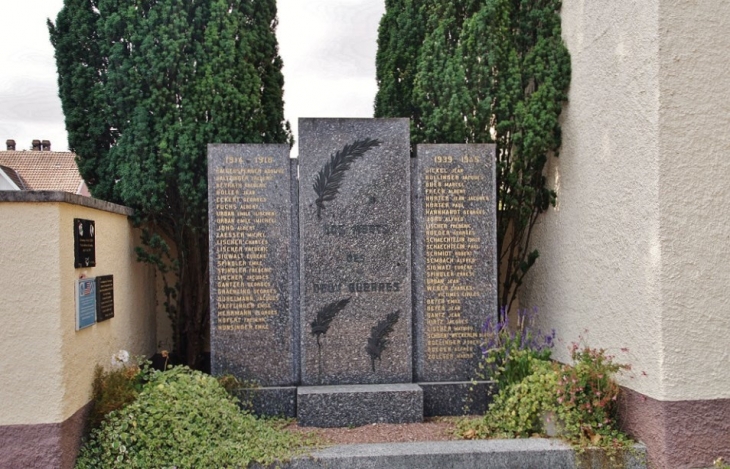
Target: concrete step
537	453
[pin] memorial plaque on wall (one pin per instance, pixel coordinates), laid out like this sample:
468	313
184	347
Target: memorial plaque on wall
84	243
85	303
249	200
104	297
354	224
455	270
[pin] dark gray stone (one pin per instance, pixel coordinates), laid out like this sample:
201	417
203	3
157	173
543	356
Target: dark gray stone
525	453
355	252
294	263
455	398
356	405
454	268
252	330
270	401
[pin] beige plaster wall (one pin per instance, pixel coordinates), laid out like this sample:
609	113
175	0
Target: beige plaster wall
31	365
47	366
626	253
694	141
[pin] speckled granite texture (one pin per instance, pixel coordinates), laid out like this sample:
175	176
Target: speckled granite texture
355	250
253	332
356	405
454	258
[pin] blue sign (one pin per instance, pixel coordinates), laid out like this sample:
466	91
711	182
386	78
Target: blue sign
85	303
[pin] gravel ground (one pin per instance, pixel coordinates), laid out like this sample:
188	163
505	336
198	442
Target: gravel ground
434	429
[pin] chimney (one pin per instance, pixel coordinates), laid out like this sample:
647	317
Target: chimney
36	145
11	144
46	145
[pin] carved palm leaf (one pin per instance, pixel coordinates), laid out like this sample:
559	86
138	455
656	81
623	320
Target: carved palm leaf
329	179
321	323
378	339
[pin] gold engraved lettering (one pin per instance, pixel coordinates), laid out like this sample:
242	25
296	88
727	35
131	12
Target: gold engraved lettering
452	244
246	292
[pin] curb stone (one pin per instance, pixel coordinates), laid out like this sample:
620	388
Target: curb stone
537	453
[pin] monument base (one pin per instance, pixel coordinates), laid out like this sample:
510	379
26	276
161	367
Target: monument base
356	405
455	398
270	401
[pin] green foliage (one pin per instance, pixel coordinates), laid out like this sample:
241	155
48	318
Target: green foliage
517	410
486	71
184	418
111	390
79	58
579	400
238	389
587	397
400	36
508	354
116	388
440	79
145	86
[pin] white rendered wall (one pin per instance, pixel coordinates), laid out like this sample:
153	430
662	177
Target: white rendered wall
638	249
694	197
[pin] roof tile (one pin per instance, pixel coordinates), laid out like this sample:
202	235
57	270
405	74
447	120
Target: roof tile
44	170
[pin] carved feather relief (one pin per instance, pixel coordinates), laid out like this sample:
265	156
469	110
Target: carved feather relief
321	323
379	336
328	180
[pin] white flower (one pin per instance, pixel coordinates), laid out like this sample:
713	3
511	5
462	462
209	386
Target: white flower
120	359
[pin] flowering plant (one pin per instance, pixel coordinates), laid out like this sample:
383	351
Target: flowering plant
120	359
119	386
507	353
577	402
587	394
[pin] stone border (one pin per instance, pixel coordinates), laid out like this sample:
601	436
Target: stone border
524	453
64	197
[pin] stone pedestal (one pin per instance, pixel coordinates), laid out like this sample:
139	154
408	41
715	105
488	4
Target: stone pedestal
356	405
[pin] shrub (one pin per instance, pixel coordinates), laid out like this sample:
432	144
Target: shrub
579	400
118	387
185	419
587	395
507	355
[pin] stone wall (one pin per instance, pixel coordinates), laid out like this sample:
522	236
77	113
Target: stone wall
47	365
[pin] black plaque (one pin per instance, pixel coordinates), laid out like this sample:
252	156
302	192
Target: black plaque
84	243
104	297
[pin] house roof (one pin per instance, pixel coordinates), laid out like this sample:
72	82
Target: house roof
14	176
44	170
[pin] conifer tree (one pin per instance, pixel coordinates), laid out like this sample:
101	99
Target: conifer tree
439	80
517	72
169	77
79	62
492	70
400	36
